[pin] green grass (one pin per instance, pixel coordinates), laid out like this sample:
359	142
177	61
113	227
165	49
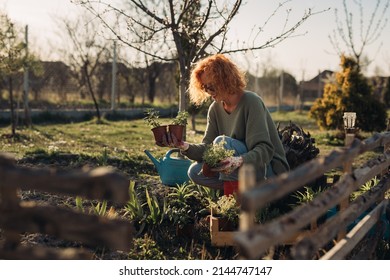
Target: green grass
128	139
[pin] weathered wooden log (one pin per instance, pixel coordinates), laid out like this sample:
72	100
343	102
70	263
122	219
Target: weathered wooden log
270	190
7	159
100	183
69	225
375	141
342	248
254	242
366	173
44	253
308	246
9	201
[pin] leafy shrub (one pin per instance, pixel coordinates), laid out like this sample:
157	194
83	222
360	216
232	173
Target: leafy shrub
349	93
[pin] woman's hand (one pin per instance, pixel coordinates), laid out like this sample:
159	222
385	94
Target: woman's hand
228	165
170	140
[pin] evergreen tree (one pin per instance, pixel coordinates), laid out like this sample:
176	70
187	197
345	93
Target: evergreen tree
349	93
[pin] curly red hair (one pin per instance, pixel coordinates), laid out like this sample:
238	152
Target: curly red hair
226	76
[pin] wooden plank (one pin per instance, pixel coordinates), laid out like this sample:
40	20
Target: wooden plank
254	242
342	248
308	246
44	253
375	141
220	238
366	173
91	230
100	183
270	190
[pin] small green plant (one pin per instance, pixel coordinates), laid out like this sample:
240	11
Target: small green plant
100	209
180	211
103	158
134	210
180	215
306	196
157	214
133	207
181	118
208	194
365	187
216	152
79	204
152	117
181	193
226	207
146	248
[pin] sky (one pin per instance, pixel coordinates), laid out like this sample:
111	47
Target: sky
303	56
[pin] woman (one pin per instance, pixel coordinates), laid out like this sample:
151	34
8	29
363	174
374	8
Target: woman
237	116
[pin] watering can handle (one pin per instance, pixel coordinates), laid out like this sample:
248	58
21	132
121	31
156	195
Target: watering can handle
168	154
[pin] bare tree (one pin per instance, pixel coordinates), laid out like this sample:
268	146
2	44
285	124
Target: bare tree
356	40
140	24
84	50
12	59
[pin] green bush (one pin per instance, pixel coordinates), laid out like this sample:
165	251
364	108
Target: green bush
349	93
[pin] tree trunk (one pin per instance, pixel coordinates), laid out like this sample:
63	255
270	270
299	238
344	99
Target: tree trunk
11	97
152	88
92	93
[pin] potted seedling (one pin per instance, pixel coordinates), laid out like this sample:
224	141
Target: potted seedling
178	124
226	210
224	220
152	119
213	154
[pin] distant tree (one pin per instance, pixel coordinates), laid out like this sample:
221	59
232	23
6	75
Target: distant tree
12	59
84	50
353	41
349	93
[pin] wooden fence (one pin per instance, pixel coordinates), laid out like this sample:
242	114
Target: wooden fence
18	216
298	227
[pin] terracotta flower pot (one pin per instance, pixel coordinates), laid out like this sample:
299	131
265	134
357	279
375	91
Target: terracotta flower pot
176	130
159	133
206	170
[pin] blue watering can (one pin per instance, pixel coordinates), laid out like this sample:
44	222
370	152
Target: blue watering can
172	170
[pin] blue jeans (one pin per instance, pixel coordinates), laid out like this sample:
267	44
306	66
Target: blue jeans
195	170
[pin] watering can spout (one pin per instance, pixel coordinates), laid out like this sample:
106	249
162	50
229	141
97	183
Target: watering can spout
154	160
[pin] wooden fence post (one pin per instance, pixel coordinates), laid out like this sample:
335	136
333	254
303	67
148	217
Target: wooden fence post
247	180
349	119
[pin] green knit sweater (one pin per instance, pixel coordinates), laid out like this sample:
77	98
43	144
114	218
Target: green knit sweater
250	123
